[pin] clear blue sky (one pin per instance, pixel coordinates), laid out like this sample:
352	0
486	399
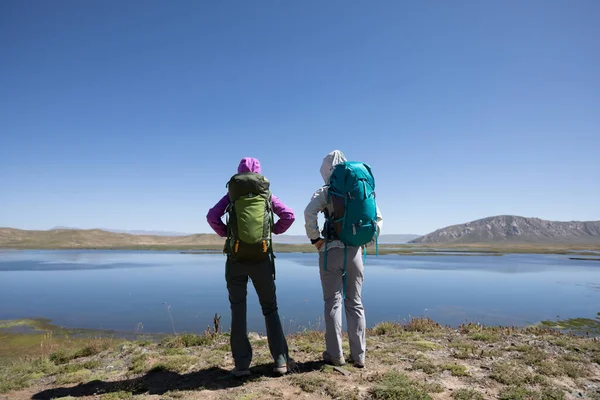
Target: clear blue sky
134	114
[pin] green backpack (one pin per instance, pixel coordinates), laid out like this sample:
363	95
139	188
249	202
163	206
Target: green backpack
250	219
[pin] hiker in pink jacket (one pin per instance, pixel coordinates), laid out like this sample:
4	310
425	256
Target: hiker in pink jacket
262	275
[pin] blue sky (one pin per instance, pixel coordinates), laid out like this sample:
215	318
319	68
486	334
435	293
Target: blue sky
133	115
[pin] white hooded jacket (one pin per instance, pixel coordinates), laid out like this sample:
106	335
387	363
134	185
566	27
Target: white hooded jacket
318	203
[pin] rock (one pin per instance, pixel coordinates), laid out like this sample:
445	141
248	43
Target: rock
253	336
342	371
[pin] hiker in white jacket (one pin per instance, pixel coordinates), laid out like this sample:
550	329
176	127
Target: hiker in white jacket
332	279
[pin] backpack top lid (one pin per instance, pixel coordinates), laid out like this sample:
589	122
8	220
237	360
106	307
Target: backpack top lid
248	183
345	176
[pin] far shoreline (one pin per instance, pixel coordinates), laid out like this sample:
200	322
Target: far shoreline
401	249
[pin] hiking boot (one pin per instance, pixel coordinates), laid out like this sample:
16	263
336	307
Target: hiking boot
357	363
240	373
336	362
291	366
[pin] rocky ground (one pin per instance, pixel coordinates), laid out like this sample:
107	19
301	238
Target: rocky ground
415	360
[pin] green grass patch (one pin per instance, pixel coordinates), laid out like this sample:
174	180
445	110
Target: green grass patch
82	375
467	394
548	368
578	325
533	356
489	337
386	329
424	325
188	340
396	386
138	364
511	373
572	369
552	394
424	365
93	347
423	345
517	393
178	364
74	367
455	369
22	373
121	395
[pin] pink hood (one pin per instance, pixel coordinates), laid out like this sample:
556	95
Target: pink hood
249	164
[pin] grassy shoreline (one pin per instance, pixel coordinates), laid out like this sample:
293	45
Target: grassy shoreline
418	359
398	249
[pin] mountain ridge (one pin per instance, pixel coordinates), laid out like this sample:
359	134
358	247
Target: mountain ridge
515	229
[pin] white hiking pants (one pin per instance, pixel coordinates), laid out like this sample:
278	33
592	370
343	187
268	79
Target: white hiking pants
332	283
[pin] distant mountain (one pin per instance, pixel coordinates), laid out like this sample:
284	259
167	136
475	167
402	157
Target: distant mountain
97	238
515	229
384	239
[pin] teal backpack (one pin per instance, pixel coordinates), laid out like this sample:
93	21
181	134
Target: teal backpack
351	192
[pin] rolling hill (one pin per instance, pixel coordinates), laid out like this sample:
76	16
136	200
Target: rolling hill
97	238
515	229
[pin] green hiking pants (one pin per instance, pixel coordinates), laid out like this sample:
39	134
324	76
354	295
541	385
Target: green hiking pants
263	279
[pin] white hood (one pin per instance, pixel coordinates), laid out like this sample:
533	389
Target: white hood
331	160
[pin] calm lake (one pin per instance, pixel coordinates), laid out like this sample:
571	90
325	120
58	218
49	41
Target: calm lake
125	290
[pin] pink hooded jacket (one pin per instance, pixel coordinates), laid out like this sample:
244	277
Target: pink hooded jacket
285	214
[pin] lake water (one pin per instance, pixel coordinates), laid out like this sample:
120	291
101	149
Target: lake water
118	290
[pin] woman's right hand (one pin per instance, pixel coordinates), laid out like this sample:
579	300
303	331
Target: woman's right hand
320	244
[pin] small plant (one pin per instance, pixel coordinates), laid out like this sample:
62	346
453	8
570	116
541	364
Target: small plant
422	325
168	307
174	364
455	369
93	347
548	368
572	369
393	385
534	356
188	340
467	394
510	373
81	375
121	395
386	328
138	364
424	365
552	394
488	337
516	393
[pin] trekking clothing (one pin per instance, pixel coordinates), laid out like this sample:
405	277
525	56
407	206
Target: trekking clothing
319	203
262	274
332	282
285	214
237	275
334	258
